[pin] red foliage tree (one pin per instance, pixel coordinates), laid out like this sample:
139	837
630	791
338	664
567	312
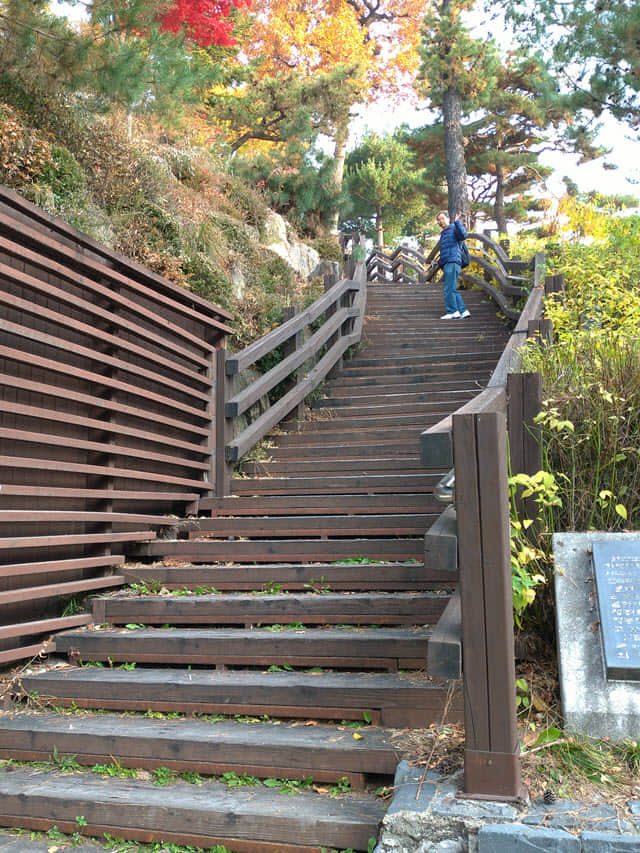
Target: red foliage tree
204	22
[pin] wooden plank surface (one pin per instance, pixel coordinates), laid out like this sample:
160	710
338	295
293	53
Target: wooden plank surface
364	608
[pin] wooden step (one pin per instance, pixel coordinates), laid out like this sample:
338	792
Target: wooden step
421	608
246	820
319	525
409	400
383	648
350	485
61	590
332	421
390	699
315	466
355	576
282	550
291	441
345	451
325	753
320	504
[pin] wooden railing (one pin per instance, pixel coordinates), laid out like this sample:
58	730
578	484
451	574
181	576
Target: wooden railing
476	636
411	267
308	357
106	425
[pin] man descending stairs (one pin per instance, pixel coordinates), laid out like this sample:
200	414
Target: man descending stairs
279	644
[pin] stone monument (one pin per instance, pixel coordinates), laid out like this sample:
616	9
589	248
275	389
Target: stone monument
597	592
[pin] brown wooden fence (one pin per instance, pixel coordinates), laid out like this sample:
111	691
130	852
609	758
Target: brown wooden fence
107	419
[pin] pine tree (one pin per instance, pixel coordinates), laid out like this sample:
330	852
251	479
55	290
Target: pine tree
594	46
385	190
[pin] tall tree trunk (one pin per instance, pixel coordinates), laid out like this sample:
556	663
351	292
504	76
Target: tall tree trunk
454	148
379	228
339	156
498	204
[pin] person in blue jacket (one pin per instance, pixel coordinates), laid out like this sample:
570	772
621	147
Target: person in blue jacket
452	234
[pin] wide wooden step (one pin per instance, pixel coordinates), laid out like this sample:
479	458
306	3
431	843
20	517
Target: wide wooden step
246	820
339	421
383	648
320	525
389	699
317	466
282	550
320	504
262	749
421	608
409	400
290	441
365	575
337	485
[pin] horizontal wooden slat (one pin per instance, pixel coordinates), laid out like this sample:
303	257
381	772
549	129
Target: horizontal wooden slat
115	451
48	567
74	539
107	427
44	626
100	380
13	516
97	404
60	589
20	462
118	344
96	494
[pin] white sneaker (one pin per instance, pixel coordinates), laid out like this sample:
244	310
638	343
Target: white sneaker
465	314
452	316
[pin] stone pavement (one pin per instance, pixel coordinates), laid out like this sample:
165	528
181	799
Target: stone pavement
425	816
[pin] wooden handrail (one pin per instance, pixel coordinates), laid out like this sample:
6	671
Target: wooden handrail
343	306
248	356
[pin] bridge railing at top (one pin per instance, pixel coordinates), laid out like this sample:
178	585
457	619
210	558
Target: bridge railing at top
477	626
309	354
501	277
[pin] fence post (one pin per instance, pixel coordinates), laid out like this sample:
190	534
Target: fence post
223	425
524	401
294	343
492	753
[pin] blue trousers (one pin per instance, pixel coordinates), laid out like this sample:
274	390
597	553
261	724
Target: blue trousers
452	299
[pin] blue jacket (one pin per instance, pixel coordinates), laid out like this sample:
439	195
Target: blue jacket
450	239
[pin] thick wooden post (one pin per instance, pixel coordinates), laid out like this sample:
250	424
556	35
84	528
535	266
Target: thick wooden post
288	347
492	759
329	281
524	401
223	425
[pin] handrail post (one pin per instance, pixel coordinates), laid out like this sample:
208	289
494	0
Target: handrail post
223	425
288	347
492	755
524	401
329	281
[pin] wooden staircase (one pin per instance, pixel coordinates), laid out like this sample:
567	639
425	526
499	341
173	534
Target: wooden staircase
297	608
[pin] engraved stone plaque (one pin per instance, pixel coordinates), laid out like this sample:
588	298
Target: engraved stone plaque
617	572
